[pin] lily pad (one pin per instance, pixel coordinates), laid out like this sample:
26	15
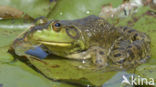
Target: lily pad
67	9
34	8
63	69
20	75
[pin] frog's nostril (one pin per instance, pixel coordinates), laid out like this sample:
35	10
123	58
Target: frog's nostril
73	33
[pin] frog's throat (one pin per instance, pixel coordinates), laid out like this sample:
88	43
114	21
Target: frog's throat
61	44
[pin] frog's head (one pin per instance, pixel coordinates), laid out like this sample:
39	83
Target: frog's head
61	39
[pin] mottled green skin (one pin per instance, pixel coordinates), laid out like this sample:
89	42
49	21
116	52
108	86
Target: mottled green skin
92	38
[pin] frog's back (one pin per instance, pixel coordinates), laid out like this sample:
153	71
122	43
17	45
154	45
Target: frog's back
126	46
96	29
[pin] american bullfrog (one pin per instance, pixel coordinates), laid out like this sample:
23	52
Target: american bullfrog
90	38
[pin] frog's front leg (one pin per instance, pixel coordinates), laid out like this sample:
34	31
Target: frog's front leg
98	55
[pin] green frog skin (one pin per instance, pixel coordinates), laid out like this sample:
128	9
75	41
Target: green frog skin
91	38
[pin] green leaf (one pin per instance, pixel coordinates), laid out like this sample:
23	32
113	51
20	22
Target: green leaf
66	70
34	8
17	74
74	9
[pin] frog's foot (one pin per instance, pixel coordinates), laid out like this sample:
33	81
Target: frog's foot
99	56
131	52
123	56
140	43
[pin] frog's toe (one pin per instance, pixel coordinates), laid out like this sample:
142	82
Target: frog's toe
118	56
100	62
99	58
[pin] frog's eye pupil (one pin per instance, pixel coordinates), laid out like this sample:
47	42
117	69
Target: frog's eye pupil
57	25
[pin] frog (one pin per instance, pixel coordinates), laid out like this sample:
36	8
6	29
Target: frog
89	38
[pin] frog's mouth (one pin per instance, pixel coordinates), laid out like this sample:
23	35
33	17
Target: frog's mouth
61	44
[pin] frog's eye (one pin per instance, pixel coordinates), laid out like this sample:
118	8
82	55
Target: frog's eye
56	27
57	24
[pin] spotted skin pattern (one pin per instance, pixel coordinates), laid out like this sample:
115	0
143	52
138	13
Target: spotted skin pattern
135	50
101	42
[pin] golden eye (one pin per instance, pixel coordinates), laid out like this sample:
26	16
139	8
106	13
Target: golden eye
56	27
